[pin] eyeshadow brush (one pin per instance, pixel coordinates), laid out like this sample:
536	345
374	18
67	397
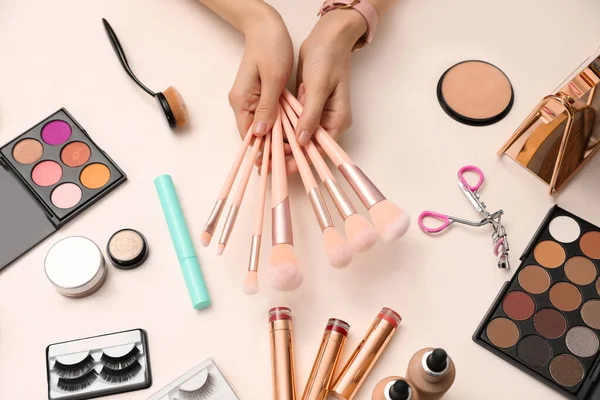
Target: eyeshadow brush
251	282
359	231
234	209
391	221
336	246
170	100
213	218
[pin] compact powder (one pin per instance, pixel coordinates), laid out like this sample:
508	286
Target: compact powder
566	370
46	173
564	229
590	313
518	305
565	296
534	351
75	154
534	279
550	323
127	249
475	93
503	333
27	151
94	176
582	341
56	132
66	195
580	270
590	245
549	254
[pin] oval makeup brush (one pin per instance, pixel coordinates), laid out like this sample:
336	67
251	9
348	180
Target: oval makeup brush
336	246
170	100
391	221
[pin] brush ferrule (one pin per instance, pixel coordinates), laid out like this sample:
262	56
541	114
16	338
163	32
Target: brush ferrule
366	190
281	225
254	253
340	198
229	222
213	219
320	208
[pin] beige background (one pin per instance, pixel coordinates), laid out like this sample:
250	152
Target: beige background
55	53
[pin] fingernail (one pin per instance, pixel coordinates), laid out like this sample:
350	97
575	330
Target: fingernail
260	128
304	138
259	155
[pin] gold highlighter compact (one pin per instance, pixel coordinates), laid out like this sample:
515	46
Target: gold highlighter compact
475	93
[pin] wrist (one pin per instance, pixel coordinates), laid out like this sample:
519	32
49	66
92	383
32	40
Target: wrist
259	15
344	25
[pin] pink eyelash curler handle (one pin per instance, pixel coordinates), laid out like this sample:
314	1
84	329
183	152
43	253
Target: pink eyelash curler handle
477	171
446	221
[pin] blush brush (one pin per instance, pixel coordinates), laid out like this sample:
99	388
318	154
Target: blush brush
391	221
336	246
170	100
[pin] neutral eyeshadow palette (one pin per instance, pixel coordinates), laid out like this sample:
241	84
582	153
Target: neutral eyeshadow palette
98	366
48	175
204	381
546	319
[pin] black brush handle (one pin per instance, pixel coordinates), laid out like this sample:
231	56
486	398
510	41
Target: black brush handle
114	40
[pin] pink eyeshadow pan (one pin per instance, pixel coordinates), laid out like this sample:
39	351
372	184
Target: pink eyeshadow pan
56	132
46	173
66	195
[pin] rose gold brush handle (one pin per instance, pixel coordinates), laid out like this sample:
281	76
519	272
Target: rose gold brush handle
260	207
247	166
310	184
213	219
366	190
281	229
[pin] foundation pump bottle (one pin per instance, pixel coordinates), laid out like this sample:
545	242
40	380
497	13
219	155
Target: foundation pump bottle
395	388
431	372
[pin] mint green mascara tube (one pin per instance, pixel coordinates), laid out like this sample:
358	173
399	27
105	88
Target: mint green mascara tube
184	247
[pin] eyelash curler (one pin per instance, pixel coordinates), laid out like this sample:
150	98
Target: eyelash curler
471	192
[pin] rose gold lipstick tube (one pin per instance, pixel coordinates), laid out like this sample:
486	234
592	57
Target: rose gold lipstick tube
282	353
327	359
366	354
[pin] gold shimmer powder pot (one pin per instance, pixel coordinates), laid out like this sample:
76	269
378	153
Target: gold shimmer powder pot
127	249
475	93
546	319
48	176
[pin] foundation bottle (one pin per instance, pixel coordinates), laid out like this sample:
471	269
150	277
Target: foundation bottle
395	388
431	372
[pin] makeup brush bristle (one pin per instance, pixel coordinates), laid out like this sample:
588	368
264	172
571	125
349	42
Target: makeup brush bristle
251	283
205	238
177	106
391	221
220	249
286	274
337	248
361	234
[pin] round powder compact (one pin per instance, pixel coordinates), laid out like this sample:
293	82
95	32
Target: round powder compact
75	266
127	249
475	93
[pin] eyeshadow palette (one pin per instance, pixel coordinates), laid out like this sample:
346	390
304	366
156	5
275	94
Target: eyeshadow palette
546	319
98	366
205	381
48	175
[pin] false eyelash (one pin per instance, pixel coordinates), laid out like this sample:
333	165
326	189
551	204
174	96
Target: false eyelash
117	363
202	393
74	370
77	384
121	375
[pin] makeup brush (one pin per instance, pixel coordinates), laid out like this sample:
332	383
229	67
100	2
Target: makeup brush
239	195
286	274
170	100
336	246
213	218
391	221
251	282
359	231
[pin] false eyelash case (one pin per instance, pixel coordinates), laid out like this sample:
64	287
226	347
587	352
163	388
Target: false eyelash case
205	381
98	366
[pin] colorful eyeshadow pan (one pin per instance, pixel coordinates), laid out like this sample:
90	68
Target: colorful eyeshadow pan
582	341
46	173
590	313
66	195
565	296
518	305
550	323
566	370
590	245
94	176
75	154
564	229
503	333
534	279
549	254
580	270
534	351
56	132
27	151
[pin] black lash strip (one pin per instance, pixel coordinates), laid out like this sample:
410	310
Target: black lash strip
202	393
121	362
73	370
123	375
79	383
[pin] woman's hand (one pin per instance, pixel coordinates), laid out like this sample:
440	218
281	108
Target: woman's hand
265	69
